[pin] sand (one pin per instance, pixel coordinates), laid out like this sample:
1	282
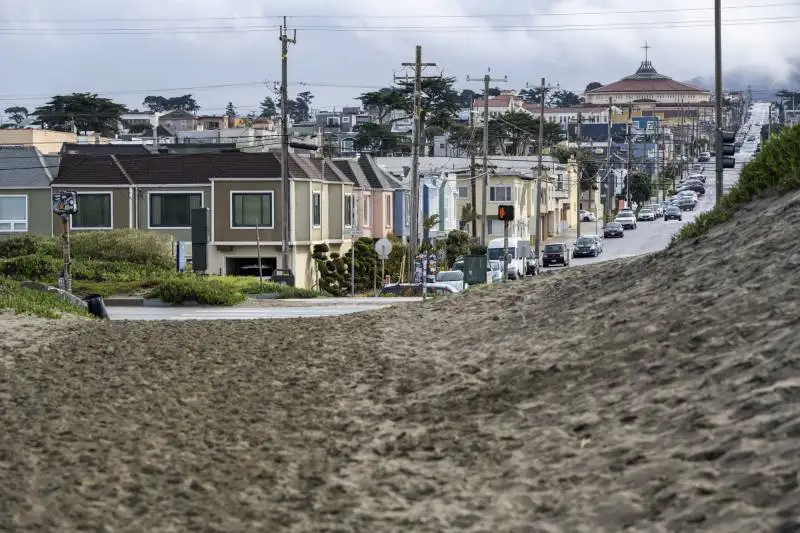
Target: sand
657	395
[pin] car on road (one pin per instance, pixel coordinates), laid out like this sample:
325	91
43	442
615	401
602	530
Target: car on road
416	289
496	271
704	157
673	212
587	216
646	215
699	177
627	219
586	247
555	253
453	278
699	167
751	138
598	239
613	230
686	203
696	187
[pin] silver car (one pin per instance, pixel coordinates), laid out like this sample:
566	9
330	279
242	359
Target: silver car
646	215
627	219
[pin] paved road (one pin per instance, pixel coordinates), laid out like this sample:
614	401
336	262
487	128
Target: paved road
233	313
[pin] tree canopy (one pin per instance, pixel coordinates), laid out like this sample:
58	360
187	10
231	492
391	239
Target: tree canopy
84	112
557	98
17	115
161	104
378	139
641	188
230	110
299	108
515	132
268	108
591	86
383	101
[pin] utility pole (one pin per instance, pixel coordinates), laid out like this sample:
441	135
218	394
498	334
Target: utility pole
413	241
287	194
630	155
472	180
543	89
718	158
611	186
487	79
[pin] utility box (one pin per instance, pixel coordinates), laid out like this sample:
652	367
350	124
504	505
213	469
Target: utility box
475	269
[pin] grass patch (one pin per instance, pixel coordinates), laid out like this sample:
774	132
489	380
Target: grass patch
775	170
26	301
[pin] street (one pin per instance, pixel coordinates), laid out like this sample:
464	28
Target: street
647	238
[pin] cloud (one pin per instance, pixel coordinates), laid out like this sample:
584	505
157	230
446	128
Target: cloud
359	44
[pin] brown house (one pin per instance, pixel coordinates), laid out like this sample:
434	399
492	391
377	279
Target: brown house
242	191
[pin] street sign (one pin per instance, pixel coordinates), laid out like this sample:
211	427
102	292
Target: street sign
65	203
383	247
505	212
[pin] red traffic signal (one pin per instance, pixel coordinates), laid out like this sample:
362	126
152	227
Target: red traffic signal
505	212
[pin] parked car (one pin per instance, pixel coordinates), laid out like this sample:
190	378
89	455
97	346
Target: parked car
597	239
673	212
627	219
693	186
555	254
496	270
586	216
613	229
686	203
454	278
585	247
646	215
415	289
699	167
532	267
704	157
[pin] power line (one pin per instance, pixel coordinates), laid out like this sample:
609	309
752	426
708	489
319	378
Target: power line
536	14
206	30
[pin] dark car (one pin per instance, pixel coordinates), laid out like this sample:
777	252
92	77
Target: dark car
673	212
586	247
613	229
555	254
686	203
696	187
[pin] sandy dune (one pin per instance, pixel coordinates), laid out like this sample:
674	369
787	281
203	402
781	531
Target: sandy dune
653	395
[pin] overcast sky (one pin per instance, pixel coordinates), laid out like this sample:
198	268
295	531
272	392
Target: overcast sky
346	47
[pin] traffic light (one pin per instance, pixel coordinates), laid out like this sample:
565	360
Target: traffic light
728	149
505	213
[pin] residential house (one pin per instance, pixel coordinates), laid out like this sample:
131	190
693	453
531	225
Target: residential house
439	197
373	196
241	191
25	201
46	141
178	120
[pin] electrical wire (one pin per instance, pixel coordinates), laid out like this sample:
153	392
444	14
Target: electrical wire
400	16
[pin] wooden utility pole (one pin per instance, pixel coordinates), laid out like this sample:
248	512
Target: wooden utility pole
472	180
611	184
413	240
487	80
286	204
630	156
718	157
543	89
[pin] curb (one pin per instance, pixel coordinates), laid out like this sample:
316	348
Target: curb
142	302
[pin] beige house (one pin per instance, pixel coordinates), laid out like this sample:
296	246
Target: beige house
242	193
46	141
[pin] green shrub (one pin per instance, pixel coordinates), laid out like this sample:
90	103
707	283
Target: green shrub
206	291
139	247
33	267
26	301
775	170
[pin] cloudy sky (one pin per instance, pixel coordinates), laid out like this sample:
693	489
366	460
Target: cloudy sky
228	50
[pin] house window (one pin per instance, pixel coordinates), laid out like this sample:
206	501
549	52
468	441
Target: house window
173	210
407	206
495	227
463	192
94	211
251	209
348	210
13	213
316	209
388	212
367	211
500	193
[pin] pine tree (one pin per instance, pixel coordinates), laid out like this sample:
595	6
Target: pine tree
230	110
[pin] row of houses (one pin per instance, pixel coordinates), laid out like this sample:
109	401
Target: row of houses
332	201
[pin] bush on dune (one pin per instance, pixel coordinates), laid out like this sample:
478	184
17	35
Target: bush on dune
774	171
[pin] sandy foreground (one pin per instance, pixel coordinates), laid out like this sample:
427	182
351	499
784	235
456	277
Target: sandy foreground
653	395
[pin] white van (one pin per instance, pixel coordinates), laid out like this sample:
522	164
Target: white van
518	250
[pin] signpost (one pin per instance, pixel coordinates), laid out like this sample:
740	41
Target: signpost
65	204
383	247
354	234
506	214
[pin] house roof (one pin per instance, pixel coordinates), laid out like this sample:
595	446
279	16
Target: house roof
504	100
328	171
23	167
96	170
344	167
103	149
646	79
180	169
373	174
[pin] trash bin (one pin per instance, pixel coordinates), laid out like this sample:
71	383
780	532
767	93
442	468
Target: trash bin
96	306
